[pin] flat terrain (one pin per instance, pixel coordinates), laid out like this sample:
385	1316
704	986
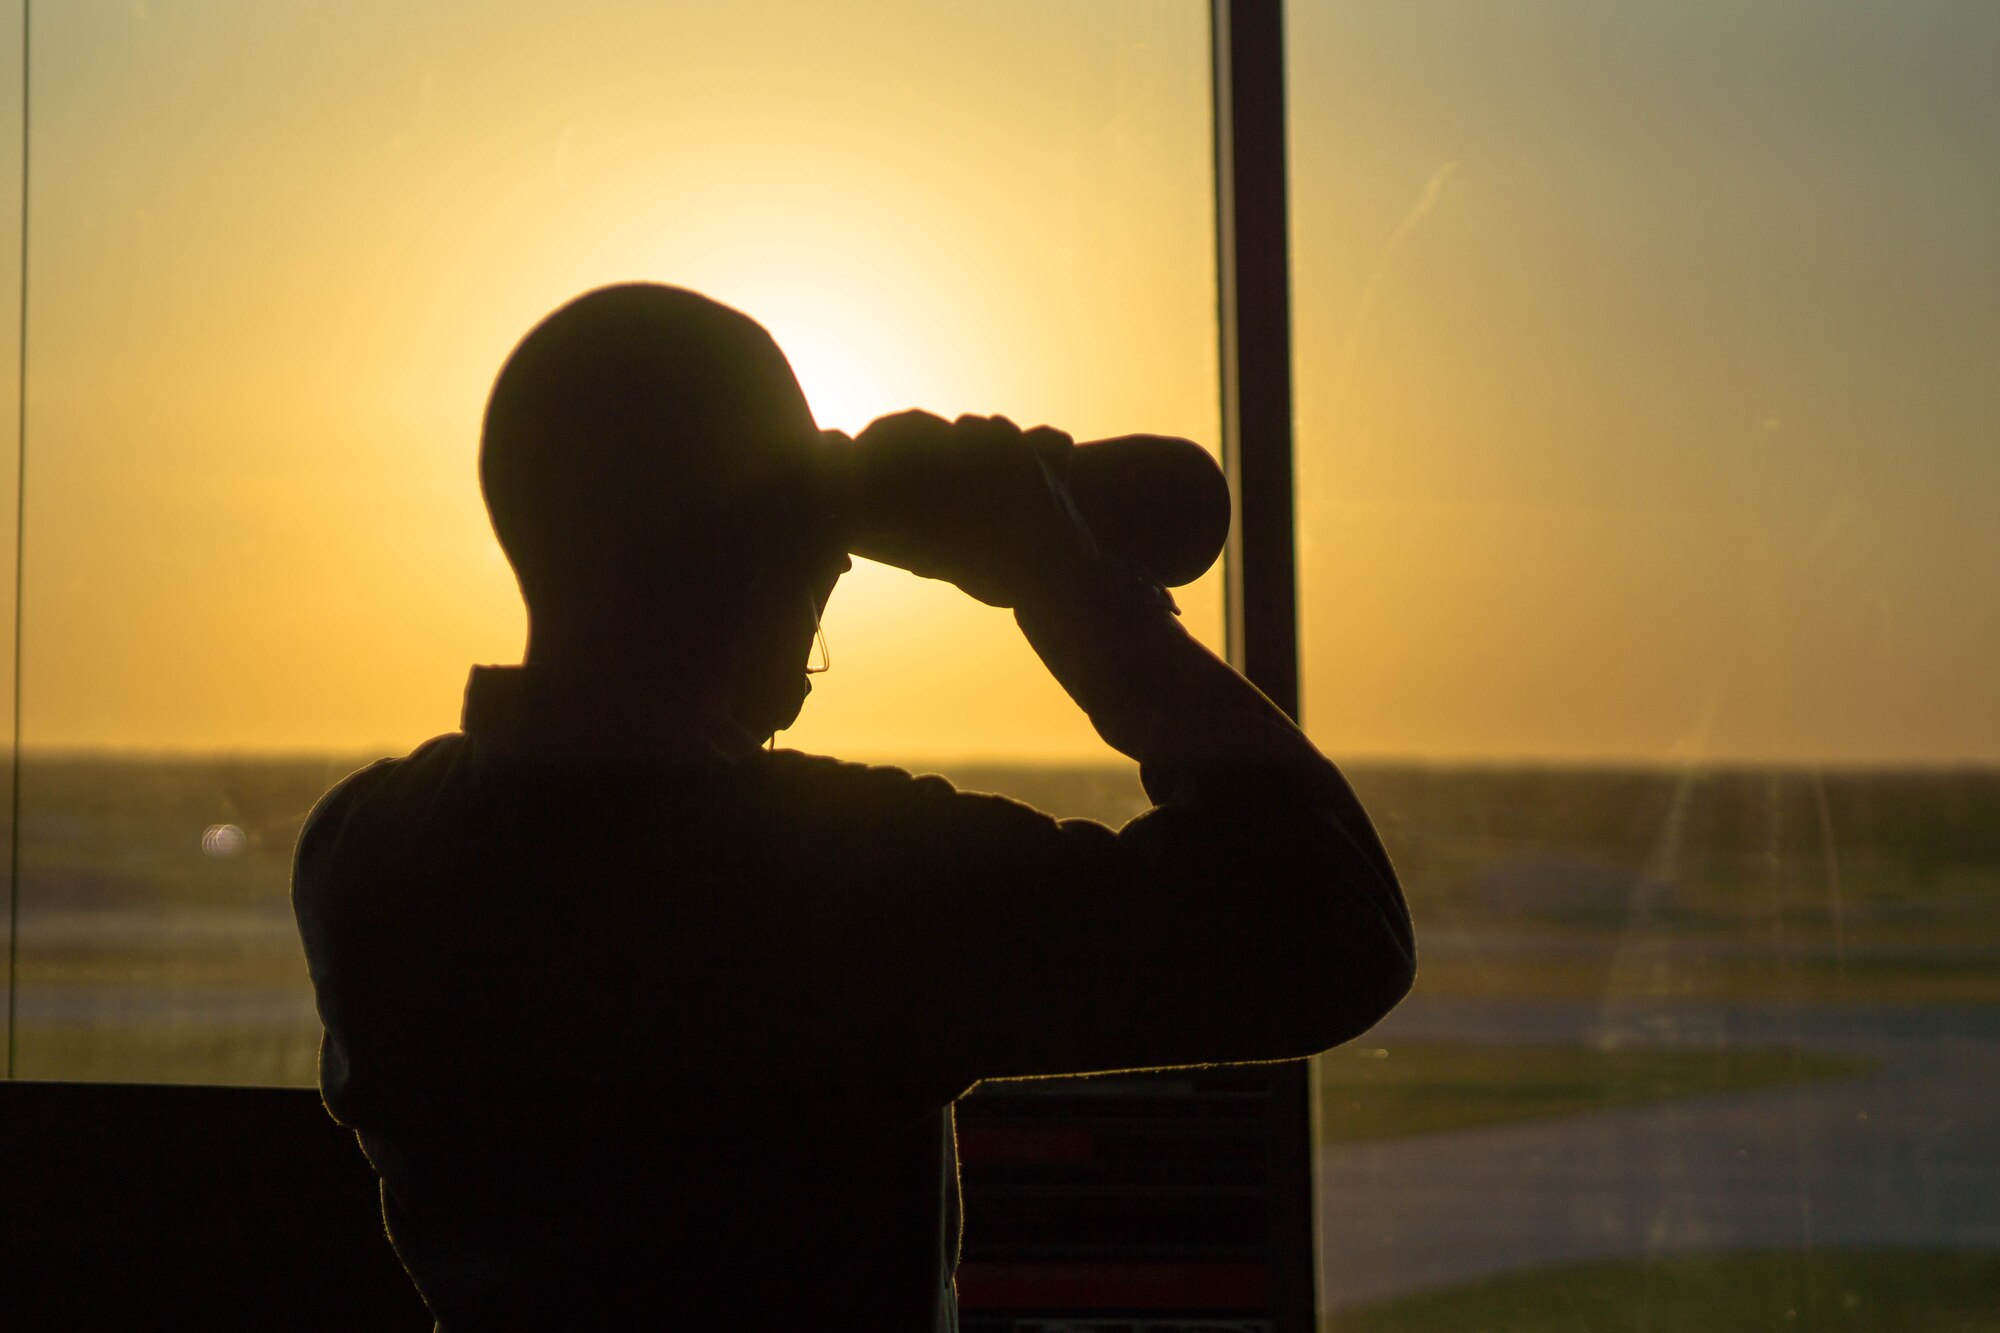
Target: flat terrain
1888	1291
1433	1087
1905	1155
1682	1041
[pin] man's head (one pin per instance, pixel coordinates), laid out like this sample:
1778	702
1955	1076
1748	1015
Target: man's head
647	462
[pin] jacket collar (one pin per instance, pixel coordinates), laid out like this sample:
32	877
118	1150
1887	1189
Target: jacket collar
544	711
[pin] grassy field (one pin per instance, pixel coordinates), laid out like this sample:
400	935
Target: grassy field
240	1054
1886	1291
1794	887
146	956
1365	1093
1774	976
1372	1092
1775	886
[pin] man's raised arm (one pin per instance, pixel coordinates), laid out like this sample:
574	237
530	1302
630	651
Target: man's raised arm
1261	884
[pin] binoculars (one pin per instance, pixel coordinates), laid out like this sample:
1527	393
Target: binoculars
1157	501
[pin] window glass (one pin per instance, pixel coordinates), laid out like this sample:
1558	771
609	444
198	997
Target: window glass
1649	509
11	185
279	252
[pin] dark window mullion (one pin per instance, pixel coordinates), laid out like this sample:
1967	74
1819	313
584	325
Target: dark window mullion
1253	292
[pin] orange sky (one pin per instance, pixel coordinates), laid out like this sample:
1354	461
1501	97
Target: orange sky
1641	411
1647	377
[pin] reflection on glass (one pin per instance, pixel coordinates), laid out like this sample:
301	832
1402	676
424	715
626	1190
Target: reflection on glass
1648	506
282	249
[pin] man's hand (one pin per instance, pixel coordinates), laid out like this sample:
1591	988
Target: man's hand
977	501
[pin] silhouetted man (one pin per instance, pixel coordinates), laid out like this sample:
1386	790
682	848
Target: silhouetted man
641	1021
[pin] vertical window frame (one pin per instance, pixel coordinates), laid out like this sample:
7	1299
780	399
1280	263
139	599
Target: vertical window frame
1260	596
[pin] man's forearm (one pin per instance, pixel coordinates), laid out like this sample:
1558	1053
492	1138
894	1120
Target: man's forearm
1154	692
1200	731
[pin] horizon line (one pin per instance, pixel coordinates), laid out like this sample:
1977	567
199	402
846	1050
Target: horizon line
1108	762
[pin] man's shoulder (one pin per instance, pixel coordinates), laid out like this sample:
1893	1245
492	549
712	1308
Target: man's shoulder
804	768
883	794
375	789
873	781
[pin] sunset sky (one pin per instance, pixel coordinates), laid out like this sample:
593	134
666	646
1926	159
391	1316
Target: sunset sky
1647	397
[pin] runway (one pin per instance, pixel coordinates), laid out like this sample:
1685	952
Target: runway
1906	1155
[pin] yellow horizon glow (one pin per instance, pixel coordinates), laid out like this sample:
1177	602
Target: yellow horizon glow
1627	432
278	256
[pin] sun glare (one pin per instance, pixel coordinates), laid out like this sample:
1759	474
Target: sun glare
852	368
846	387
